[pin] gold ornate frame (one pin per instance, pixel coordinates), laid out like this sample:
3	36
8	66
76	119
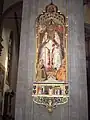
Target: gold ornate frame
52	23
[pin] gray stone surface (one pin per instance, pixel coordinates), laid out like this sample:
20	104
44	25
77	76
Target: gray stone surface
76	108
77	62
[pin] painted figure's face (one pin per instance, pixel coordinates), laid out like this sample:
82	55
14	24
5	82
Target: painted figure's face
41	62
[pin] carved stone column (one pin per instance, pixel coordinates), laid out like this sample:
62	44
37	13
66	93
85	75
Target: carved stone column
1	47
1	10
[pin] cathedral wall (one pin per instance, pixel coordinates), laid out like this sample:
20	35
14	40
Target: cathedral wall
76	108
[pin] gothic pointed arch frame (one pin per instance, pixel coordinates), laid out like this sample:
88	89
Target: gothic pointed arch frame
50	88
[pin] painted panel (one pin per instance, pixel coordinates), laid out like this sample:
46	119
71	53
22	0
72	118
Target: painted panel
50	87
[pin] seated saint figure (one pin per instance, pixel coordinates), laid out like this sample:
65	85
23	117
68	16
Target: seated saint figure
41	72
61	73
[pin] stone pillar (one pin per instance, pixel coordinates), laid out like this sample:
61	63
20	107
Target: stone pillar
76	108
1	11
77	62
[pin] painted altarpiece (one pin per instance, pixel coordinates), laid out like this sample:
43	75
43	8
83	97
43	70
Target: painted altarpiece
50	87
